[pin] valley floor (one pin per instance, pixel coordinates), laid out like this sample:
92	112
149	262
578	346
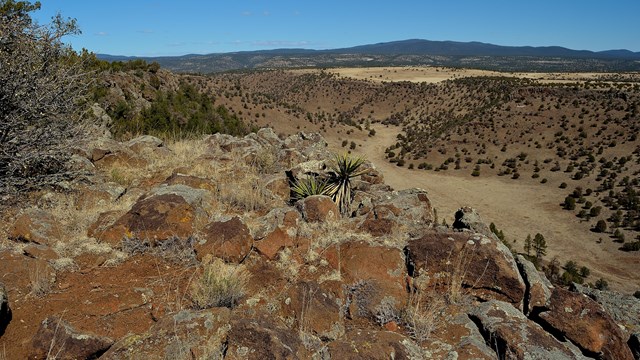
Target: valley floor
516	208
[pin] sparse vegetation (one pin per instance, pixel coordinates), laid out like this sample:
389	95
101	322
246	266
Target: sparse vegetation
218	285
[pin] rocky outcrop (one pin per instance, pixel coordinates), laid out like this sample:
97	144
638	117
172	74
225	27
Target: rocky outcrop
262	338
57	338
465	262
314	310
585	323
374	276
37	226
318	208
229	240
624	309
186	334
538	288
371	344
166	212
513	336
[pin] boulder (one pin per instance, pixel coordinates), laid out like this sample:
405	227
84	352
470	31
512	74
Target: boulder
140	143
268	137
372	344
384	211
190	181
513	336
585	323
314	310
375	276
311	145
58	338
285	218
37	226
183	335
465	262
99	195
270	245
318	208
229	240
624	309
468	218
5	310
166	212
538	291
262	338
279	186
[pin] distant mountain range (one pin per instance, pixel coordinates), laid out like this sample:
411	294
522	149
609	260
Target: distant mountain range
407	52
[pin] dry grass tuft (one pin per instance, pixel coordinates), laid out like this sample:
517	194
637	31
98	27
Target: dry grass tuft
39	280
220	284
421	317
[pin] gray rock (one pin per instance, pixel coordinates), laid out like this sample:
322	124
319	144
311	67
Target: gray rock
624	309
513	336
538	291
140	143
186	334
468	218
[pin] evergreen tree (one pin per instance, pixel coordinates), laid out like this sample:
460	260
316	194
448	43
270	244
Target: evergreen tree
527	245
539	246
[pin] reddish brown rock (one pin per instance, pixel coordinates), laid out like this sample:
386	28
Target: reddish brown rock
40	252
99	195
56	338
457	261
229	240
275	241
371	344
182	335
190	181
513	336
98	154
155	218
104	230
279	186
262	338
584	322
36	226
314	310
374	274
318	208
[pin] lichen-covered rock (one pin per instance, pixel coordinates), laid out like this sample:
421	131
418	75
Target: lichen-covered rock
58	338
538	287
166	212
586	324
318	208
372	344
270	245
624	309
137	145
374	275
262	338
314	310
229	240
186	334
386	211
482	266
513	336
37	226
468	218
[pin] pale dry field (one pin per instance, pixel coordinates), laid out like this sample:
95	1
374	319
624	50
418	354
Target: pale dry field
515	207
434	74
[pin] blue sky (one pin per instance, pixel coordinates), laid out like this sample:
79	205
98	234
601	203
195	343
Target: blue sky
163	27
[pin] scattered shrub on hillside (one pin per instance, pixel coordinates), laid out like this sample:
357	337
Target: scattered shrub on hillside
601	226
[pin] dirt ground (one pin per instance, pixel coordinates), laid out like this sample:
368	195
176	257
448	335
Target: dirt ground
516	208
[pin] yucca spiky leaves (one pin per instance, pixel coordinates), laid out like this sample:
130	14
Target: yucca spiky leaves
307	187
344	168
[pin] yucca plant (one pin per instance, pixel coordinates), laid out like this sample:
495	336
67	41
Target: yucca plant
308	186
344	168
